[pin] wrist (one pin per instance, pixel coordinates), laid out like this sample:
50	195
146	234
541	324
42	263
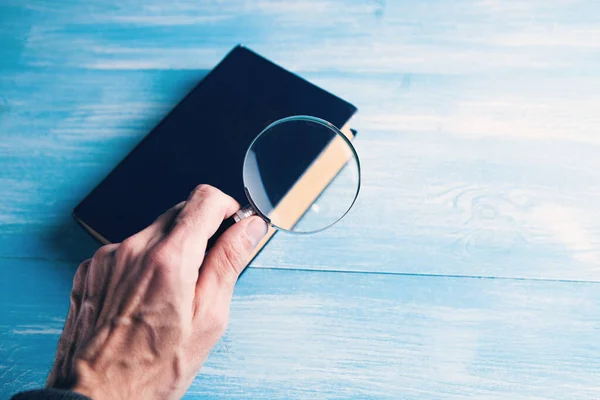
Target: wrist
85	392
89	383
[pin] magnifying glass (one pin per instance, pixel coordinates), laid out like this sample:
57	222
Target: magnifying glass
301	175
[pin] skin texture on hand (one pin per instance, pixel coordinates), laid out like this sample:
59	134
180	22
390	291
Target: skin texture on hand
146	312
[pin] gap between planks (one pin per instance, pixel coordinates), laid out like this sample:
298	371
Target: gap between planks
355	272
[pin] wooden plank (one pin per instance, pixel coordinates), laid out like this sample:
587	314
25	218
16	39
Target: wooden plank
296	334
478	135
477	122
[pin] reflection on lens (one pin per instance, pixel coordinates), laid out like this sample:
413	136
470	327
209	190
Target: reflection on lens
302	174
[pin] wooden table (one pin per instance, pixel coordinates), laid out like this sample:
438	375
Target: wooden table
469	267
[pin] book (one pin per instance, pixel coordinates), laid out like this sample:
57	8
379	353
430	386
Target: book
204	140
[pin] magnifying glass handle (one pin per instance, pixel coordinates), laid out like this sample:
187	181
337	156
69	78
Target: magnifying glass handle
241	214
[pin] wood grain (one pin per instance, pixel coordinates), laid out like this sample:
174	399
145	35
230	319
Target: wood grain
310	334
477	121
478	136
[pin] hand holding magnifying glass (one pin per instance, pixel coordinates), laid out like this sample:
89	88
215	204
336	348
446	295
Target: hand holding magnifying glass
301	175
144	316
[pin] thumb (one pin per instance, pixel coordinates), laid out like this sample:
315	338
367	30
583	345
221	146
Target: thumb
229	256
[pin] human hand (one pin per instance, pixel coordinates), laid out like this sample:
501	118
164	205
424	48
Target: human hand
145	313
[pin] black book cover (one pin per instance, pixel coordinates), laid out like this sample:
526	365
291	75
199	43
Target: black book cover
204	140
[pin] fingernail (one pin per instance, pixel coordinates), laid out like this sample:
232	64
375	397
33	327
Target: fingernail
256	230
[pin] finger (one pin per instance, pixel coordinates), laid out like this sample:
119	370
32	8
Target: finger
101	274
160	227
198	220
102	281
227	259
79	285
77	293
62	365
129	251
98	277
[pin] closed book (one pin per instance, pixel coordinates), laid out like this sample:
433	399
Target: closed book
203	140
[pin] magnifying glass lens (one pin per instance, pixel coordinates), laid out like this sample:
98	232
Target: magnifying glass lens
301	174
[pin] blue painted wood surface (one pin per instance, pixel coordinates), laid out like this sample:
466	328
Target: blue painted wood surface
479	138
